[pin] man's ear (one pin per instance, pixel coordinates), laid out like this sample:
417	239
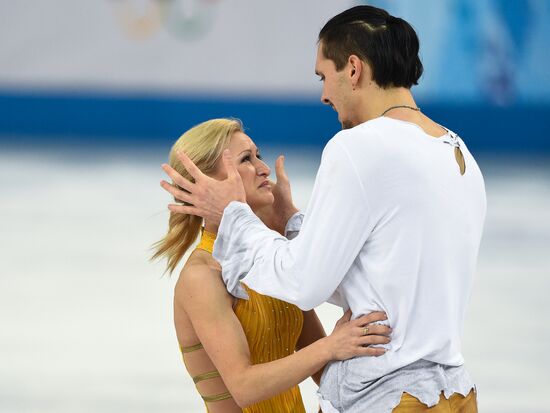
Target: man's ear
356	67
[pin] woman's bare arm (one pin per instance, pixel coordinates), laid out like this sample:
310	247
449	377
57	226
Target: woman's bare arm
311	332
206	301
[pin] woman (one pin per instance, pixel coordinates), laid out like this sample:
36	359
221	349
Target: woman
241	353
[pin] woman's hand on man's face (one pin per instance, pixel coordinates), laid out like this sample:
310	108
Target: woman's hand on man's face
276	215
283	205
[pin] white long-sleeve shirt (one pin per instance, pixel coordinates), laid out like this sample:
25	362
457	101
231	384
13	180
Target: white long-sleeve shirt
392	225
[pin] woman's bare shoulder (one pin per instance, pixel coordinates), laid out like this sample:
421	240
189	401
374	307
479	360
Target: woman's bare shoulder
199	277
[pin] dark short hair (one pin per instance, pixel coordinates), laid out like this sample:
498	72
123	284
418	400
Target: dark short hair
388	44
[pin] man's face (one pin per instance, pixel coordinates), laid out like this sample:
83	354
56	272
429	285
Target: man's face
336	88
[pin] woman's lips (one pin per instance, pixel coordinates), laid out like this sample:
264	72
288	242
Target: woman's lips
265	184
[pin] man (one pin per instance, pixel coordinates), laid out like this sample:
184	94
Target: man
394	224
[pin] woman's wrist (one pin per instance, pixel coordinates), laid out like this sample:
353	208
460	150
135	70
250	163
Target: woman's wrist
287	214
291	211
327	352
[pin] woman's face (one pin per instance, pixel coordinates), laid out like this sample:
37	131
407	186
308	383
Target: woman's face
253	171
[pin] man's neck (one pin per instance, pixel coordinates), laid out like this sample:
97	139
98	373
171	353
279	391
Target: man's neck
378	100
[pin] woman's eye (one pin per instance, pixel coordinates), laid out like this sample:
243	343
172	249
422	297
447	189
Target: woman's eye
246	159
260	157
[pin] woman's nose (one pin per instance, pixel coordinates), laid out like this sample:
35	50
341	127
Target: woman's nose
262	169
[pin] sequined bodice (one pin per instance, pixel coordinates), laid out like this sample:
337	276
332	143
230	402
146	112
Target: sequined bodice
272	328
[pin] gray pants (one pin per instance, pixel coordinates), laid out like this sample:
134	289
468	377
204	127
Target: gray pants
343	390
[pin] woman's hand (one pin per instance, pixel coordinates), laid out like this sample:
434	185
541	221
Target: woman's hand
276	215
352	338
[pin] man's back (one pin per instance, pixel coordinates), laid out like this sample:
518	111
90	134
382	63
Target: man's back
425	223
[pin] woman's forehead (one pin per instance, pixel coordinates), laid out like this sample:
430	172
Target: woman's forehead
241	141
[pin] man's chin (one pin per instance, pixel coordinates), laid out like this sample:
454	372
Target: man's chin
346	125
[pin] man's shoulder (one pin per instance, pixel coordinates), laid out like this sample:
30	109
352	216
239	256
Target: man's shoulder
371	129
362	136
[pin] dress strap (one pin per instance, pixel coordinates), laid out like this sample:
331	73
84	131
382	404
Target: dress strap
207	241
206	376
217	397
191	348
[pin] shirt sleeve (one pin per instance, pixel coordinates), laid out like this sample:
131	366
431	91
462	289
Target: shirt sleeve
306	270
294	224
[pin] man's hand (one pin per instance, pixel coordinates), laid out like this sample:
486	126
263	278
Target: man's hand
206	197
276	216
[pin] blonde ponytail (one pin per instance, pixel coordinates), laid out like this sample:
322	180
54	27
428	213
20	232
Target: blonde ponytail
204	144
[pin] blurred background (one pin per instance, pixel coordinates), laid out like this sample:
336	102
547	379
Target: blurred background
93	94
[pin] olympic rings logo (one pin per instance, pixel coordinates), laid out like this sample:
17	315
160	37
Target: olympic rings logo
184	19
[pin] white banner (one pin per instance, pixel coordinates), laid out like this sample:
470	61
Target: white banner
203	46
472	50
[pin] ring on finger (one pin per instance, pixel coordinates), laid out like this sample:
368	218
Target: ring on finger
366	331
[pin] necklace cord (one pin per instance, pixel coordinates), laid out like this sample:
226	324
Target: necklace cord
400	106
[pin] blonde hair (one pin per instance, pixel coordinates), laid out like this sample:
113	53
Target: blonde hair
204	144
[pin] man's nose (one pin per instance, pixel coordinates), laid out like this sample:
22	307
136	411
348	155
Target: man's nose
324	99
